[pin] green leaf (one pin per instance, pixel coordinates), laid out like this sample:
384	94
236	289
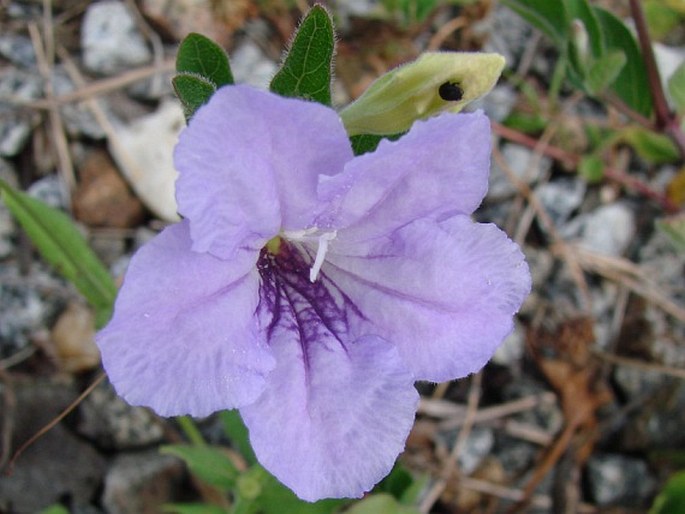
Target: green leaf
54	509
269	496
604	71
529	123
671	500
674	228
200	56
591	168
548	16
652	147
193	91
381	504
631	85
364	143
62	245
661	19
192	508
402	485
238	434
306	71
209	464
676	88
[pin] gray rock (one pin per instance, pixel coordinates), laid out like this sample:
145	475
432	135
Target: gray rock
50	190
523	163
659	421
561	197
141	482
478	445
663	264
110	39
634	382
58	464
250	66
77	118
7	225
515	455
112	423
498	103
23	11
512	348
619	480
608	230
547	416
154	88
6	231
507	34
27	305
18	49
16	124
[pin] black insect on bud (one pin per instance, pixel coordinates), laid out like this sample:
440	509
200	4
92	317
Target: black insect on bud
451	92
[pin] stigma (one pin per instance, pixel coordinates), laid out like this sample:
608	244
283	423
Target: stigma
310	235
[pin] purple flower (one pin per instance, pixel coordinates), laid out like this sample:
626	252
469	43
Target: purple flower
310	288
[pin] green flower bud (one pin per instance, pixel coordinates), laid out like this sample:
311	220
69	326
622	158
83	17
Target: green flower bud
435	82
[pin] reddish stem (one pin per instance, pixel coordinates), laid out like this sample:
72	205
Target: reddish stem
666	121
572	160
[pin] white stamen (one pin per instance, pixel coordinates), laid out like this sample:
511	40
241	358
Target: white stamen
324	239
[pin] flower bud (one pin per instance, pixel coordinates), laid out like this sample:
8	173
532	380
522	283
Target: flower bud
435	82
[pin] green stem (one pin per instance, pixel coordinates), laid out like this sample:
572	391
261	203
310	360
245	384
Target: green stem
557	81
190	430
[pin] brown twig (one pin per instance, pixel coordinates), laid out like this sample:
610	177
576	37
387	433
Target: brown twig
548	224
444	32
641	365
630	275
451	467
512	494
9	403
98	87
66	166
571	161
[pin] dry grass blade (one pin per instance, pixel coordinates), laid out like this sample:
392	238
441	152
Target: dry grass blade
450	467
66	166
629	275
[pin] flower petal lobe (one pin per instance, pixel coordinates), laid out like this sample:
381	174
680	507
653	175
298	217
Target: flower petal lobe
445	292
333	419
183	338
249	163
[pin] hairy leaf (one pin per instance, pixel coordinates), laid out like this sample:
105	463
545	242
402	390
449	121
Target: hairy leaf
307	68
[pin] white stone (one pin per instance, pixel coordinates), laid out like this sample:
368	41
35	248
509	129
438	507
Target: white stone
561	197
523	163
668	59
249	65
512	348
144	151
110	39
609	229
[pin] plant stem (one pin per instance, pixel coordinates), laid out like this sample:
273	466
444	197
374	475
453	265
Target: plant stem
571	160
666	121
190	430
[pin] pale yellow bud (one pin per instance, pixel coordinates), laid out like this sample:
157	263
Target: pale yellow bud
413	91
